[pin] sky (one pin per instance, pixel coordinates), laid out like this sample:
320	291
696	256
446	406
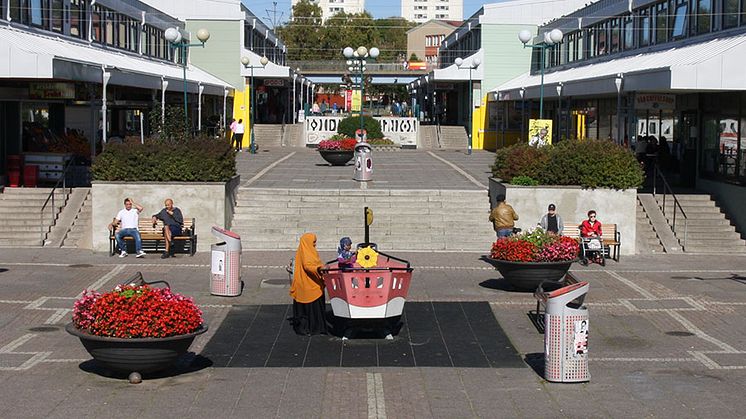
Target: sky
379	8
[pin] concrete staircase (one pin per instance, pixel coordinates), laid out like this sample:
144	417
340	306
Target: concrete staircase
79	234
428	137
707	228
646	236
267	136
404	220
453	137
293	136
20	211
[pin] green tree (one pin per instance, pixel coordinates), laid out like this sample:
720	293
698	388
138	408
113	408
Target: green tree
302	35
392	38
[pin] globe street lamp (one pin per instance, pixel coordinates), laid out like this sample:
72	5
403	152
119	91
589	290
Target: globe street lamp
246	61
475	62
173	36
550	38
356	61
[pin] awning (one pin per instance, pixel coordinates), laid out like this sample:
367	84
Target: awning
26	55
714	65
453	73
272	70
374	79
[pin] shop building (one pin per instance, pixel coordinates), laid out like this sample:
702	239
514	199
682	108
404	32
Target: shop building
670	71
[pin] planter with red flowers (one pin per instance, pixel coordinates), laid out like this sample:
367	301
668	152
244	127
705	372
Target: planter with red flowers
136	328
528	259
338	150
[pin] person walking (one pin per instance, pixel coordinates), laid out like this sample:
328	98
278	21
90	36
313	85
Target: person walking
233	132
503	218
551	221
307	289
238	135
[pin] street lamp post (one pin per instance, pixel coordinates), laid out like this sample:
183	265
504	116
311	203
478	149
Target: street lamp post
618	81
173	36
559	110
550	38
475	62
522	91
246	63
356	61
295	111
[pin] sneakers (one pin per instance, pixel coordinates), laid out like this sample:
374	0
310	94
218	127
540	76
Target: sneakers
123	254
165	255
140	254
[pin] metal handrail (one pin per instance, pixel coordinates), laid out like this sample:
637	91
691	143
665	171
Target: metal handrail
676	204
437	132
51	197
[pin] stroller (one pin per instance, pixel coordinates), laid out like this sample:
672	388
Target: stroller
592	248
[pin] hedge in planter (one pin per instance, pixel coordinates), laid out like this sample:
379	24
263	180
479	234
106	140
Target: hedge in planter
349	125
588	163
191	160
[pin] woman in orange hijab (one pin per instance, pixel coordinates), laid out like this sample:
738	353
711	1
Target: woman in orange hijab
307	289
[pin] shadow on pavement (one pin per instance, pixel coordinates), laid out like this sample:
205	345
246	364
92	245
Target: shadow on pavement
500	285
188	363
536	362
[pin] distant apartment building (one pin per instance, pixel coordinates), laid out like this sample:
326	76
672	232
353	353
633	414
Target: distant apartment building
330	8
421	11
424	40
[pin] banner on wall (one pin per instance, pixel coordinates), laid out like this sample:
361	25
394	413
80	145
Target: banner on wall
348	100
655	101
539	132
356	100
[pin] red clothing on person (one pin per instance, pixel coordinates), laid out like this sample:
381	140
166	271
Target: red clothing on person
587	229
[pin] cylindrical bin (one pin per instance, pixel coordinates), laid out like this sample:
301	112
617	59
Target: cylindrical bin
226	264
14	162
566	335
363	162
30	175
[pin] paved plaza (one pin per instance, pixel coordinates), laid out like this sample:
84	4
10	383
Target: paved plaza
667	335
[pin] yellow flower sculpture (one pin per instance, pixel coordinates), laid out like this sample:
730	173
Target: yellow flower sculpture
367	257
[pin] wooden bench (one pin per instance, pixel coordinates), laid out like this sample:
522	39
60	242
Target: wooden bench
611	237
153	239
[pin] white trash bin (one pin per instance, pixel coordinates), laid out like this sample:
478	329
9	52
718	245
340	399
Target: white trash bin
226	264
566	335
363	162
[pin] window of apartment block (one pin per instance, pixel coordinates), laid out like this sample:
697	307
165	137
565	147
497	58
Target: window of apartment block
704	16
661	22
602	38
615	34
628	23
57	15
730	14
590	43
78	19
644	27
19	11
680	19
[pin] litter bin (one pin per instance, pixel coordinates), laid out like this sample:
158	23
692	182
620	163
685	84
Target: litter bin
226	264
566	335
363	162
30	175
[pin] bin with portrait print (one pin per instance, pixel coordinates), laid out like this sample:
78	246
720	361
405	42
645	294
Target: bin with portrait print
566	335
225	268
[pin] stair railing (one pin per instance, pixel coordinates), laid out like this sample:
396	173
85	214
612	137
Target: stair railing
437	132
50	198
674	207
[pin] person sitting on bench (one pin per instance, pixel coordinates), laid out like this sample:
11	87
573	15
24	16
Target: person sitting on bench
129	218
173	224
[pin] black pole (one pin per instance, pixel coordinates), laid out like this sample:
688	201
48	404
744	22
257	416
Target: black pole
367	227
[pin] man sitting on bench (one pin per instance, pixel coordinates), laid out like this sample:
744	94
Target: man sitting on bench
173	224
129	219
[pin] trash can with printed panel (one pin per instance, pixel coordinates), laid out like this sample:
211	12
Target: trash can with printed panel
566	335
226	264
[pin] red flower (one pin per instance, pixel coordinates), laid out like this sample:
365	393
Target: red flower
521	248
347	144
137	312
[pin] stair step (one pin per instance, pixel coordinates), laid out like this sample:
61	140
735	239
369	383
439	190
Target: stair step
717	250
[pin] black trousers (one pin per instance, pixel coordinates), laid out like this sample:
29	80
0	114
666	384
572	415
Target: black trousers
310	318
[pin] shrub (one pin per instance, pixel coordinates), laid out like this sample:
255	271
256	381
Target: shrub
588	163
524	180
380	141
189	160
349	125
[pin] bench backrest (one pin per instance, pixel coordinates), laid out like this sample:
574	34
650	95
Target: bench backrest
145	225
573	230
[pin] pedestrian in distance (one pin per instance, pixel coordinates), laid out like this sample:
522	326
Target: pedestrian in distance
307	289
128	220
238	135
233	132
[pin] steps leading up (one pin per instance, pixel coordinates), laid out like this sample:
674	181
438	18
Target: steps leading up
266	135
706	228
293	136
404	220
20	210
646	236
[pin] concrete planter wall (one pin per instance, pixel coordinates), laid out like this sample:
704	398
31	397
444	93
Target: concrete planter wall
731	198
210	203
573	202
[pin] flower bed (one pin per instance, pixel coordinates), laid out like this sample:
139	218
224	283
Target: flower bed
535	246
344	144
136	311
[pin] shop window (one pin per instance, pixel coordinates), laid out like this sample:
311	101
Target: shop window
680	19
644	28
57	15
704	16
721	147
661	23
35	126
730	14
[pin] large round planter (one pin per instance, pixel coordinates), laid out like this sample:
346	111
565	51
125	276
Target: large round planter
337	157
528	275
141	355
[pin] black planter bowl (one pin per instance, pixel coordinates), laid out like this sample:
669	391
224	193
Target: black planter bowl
142	355
528	275
337	157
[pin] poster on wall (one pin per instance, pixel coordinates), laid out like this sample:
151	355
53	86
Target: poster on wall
356	100
539	132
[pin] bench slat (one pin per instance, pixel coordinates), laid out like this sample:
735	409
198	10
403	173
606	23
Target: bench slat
149	234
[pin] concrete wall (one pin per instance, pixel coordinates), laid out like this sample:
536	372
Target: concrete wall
731	199
221	55
573	202
209	203
505	58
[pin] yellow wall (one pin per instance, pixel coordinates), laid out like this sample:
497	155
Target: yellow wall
241	110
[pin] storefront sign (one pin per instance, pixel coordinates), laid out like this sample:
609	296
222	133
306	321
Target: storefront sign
51	90
655	101
402	131
274	82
